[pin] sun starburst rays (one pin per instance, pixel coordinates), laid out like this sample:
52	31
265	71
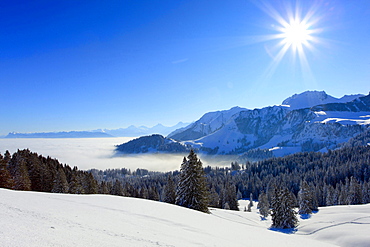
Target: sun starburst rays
295	33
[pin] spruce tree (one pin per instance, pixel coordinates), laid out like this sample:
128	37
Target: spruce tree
249	209
365	192
355	193
60	184
305	199
170	191
192	189
283	214
117	188
330	193
21	177
103	188
153	193
251	199
75	186
90	185
230	197
263	205
214	198
6	180
144	193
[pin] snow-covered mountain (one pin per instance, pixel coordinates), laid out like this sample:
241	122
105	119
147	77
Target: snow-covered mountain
312	98
133	131
63	134
280	129
46	219
207	124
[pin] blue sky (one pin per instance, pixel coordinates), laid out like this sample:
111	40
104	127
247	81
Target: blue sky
82	65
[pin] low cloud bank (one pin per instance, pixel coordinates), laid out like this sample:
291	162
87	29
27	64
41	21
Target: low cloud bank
88	153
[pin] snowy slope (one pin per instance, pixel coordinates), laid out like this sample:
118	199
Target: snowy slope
207	124
343	118
41	219
345	225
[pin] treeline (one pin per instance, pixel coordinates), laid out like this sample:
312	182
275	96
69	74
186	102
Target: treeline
335	178
25	170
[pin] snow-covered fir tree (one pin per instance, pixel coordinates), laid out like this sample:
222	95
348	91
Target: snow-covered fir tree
305	199
153	193
230	197
170	191
192	189
251	199
365	192
263	205
354	193
60	183
214	199
117	188
103	188
249	209
282	209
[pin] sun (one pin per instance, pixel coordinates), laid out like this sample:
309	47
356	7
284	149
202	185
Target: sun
295	29
296	34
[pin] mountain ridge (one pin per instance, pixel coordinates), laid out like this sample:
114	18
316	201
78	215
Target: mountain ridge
62	134
309	99
279	129
131	131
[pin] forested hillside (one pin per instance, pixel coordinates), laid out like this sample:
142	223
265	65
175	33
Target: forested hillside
25	170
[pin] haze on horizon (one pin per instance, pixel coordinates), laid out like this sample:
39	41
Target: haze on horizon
99	153
90	65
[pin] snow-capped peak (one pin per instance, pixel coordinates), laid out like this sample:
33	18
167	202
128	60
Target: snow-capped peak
312	98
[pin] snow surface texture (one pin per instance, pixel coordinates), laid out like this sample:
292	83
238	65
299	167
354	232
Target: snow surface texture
42	219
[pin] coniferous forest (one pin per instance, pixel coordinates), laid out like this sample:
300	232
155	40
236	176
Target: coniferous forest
310	180
25	170
334	178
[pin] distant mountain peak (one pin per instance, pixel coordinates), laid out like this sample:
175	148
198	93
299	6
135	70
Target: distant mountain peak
309	99
62	134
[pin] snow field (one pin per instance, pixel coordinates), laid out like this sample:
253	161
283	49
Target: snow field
344	225
43	219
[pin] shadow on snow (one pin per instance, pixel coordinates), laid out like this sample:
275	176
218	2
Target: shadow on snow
286	231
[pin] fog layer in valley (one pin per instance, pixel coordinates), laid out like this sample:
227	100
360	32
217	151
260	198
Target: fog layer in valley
88	153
